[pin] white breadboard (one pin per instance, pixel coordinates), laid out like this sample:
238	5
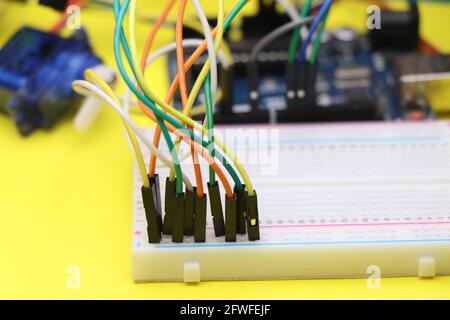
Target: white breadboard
346	200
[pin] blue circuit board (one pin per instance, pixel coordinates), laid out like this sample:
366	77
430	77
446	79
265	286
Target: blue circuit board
349	75
378	85
36	74
381	89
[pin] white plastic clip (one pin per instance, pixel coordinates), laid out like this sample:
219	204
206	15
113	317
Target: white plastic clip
191	272
427	267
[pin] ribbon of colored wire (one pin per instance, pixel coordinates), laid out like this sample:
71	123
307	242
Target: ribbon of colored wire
172	91
173	87
154	112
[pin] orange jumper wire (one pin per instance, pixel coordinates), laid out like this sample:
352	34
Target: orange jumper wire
173	88
183	90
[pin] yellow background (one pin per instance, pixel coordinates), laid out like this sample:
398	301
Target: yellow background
65	197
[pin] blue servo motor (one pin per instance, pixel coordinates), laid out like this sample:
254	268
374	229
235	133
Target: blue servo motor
36	73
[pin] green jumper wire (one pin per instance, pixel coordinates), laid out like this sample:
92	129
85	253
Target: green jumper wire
318	39
121	15
210	124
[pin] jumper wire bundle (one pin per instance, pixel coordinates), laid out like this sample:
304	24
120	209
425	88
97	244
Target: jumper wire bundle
185	204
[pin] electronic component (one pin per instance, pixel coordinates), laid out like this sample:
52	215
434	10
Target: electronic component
301	97
241	206
169	207
236	107
399	29
353	77
368	197
36	73
216	209
230	220
154	184
277	90
351	80
189	212
200	218
151	199
153	217
416	107
178	217
252	216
